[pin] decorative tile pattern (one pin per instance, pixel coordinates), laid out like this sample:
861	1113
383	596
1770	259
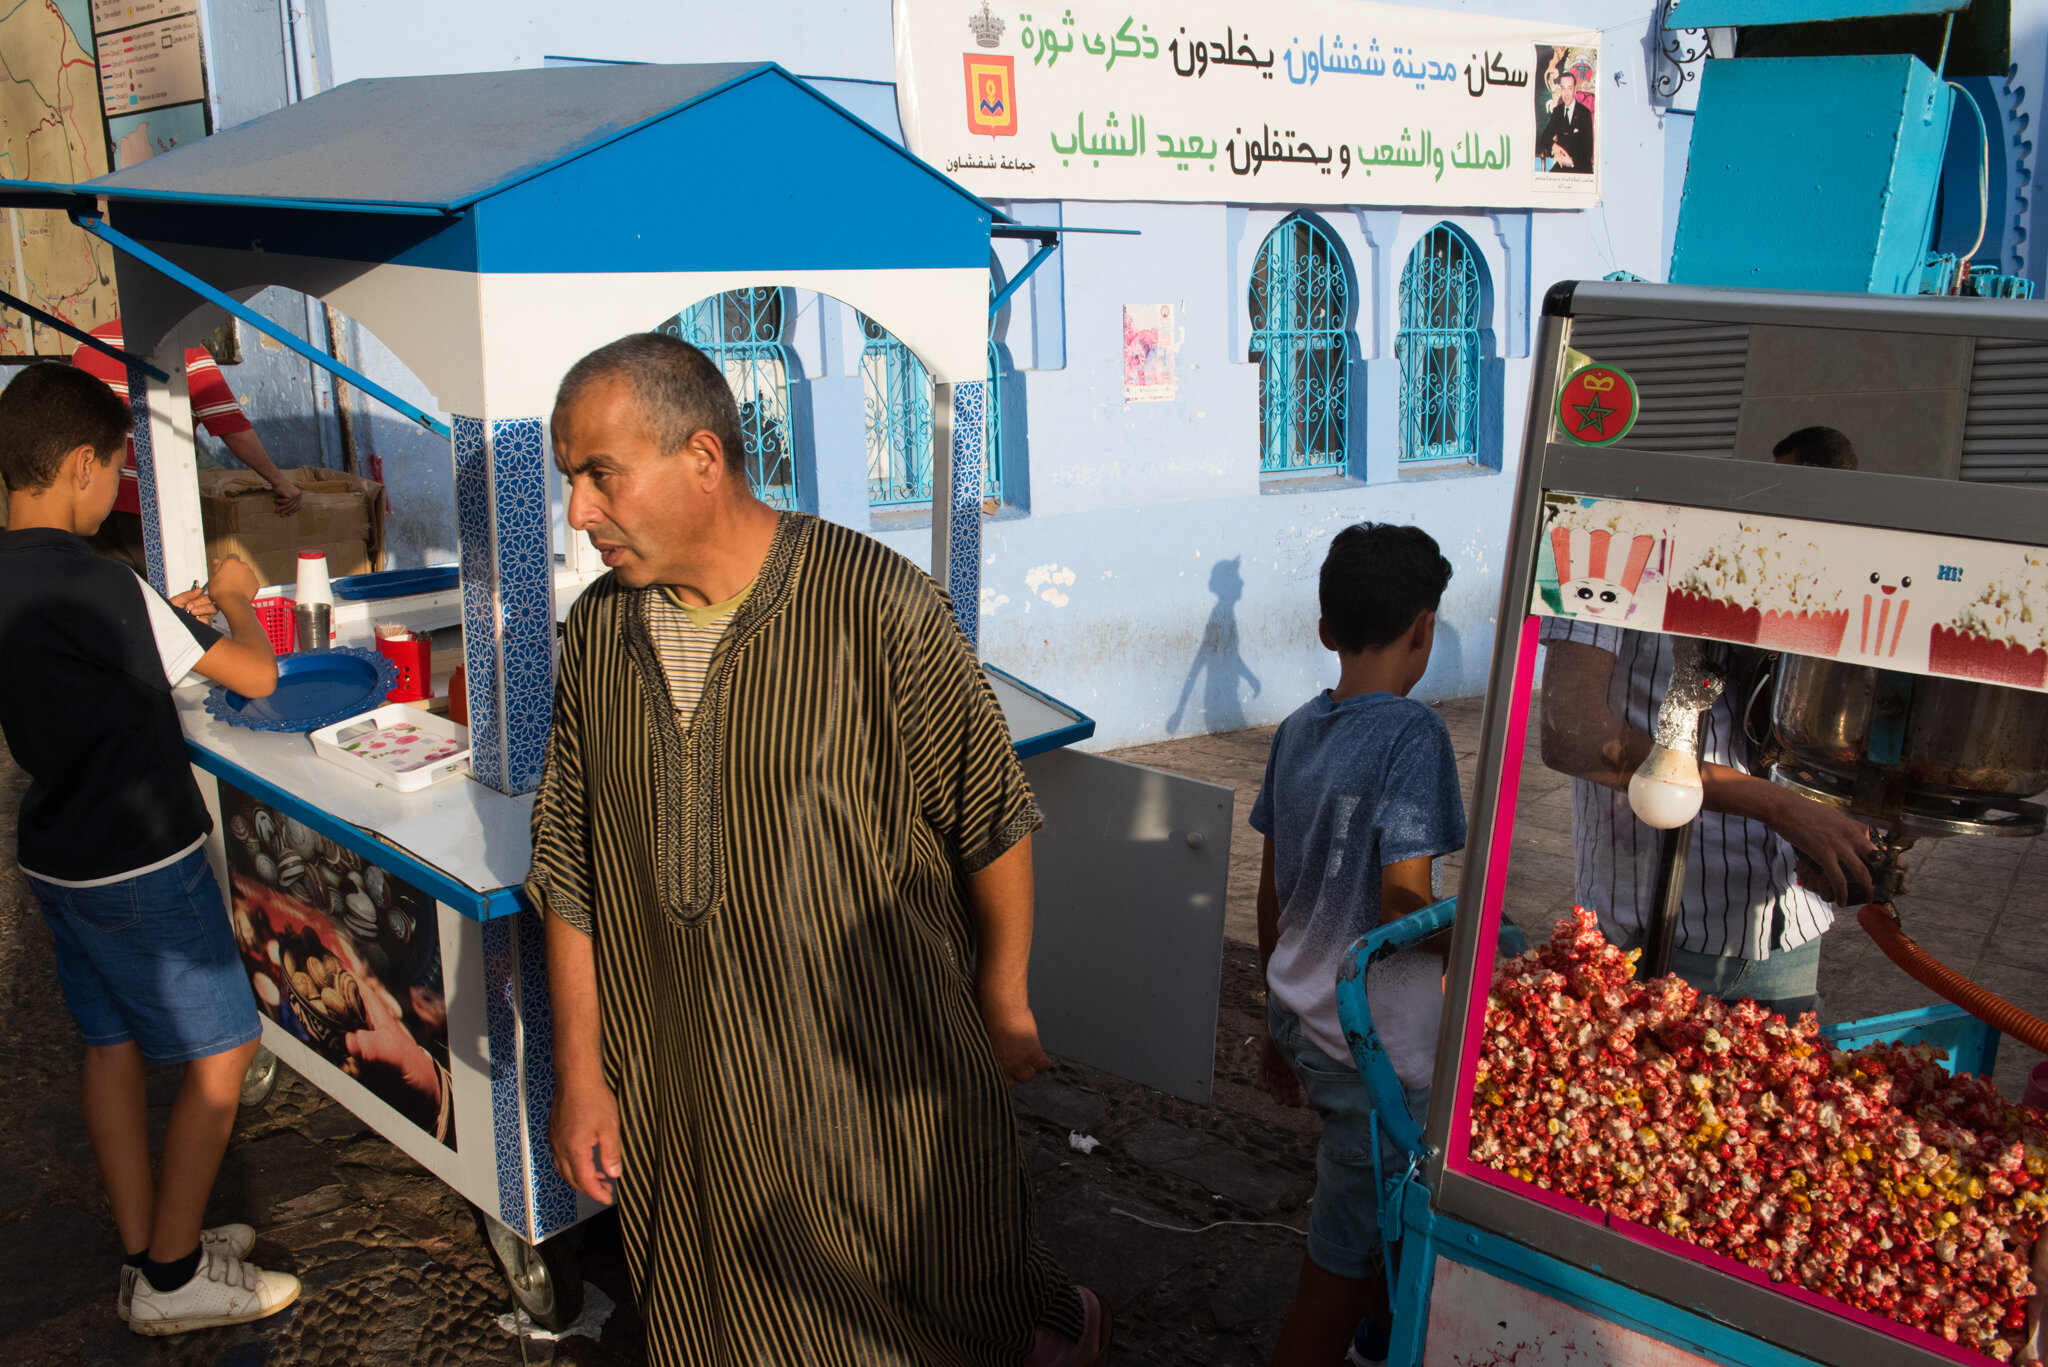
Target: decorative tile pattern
552	1200
145	478
473	535
526	595
963	513
508	1139
508	597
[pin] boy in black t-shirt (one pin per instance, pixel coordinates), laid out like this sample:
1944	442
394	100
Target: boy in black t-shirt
112	838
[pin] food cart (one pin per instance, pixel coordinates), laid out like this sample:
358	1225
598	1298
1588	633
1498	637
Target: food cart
1555	1208
490	229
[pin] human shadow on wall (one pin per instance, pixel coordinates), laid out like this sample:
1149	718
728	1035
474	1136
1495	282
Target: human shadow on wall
1217	663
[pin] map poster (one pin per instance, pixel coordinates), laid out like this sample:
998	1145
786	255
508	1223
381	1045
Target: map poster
152	65
50	130
1290	101
138	137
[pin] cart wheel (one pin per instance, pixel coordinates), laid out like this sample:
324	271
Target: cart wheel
261	1079
546	1279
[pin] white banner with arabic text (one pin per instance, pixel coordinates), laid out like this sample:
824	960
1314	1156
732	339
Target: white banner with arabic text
1311	101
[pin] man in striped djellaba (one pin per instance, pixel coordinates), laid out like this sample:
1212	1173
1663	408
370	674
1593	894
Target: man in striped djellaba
783	845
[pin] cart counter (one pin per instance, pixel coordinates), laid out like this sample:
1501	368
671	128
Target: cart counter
395	962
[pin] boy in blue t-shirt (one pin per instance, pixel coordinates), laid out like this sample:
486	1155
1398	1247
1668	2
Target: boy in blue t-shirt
1361	795
112	838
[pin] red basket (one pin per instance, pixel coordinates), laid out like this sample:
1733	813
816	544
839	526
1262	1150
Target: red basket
278	623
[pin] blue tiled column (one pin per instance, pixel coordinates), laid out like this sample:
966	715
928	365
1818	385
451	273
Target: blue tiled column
145	479
962	510
508	597
533	1200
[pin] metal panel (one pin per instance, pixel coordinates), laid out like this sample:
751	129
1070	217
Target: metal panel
1689	377
2005	431
1127	957
2025	320
1855	217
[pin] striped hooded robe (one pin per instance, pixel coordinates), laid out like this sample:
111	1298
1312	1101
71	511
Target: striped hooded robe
821	1160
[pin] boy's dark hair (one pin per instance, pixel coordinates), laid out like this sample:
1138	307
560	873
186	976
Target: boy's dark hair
51	408
681	391
1821	447
1377	579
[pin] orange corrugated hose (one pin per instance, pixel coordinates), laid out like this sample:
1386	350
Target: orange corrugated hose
1882	924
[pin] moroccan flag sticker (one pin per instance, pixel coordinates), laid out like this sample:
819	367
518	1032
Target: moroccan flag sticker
991	95
1597	405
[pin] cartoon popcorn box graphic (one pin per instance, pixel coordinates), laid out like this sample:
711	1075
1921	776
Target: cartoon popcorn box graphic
1759	586
2001	635
1599	571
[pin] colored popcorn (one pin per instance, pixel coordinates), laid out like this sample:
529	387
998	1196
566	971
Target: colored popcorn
1872	1177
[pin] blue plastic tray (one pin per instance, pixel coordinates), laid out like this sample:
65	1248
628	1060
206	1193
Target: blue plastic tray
395	583
315	688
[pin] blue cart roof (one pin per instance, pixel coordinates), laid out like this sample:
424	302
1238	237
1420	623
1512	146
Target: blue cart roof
566	169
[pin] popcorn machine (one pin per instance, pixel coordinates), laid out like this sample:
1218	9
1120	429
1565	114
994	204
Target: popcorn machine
1620	1166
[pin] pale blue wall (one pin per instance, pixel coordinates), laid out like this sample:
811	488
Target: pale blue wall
1132	508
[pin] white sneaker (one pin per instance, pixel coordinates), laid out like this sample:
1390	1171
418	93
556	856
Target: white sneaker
225	1290
234	1240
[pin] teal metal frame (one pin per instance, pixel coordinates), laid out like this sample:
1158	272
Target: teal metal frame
1443	298
741	331
1300	311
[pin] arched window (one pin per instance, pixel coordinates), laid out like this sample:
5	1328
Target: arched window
898	390
1443	289
742	331
1301	296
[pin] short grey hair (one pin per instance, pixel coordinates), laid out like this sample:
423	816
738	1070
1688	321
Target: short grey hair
681	390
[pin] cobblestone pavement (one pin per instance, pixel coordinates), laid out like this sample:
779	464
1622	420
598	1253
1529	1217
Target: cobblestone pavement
396	1272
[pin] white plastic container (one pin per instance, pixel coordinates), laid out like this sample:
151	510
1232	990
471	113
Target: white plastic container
398	746
313	586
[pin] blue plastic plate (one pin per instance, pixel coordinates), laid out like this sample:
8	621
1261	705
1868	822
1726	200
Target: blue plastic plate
396	583
315	688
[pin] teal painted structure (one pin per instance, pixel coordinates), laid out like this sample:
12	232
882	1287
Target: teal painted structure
1714	13
1813	173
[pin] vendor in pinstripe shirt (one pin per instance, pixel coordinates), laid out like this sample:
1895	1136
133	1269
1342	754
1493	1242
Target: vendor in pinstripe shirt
1764	863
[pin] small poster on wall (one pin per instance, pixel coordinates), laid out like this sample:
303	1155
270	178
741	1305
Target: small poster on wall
344	956
1149	345
1564	117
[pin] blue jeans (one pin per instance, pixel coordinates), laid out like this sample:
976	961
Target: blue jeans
1788	982
1343	1221
152	959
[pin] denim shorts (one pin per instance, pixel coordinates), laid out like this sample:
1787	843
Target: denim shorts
152	959
1343	1221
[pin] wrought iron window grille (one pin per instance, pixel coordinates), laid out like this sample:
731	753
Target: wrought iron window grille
1438	347
898	393
741	330
1300	302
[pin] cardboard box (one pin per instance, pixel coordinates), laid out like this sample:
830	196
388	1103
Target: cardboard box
341	514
